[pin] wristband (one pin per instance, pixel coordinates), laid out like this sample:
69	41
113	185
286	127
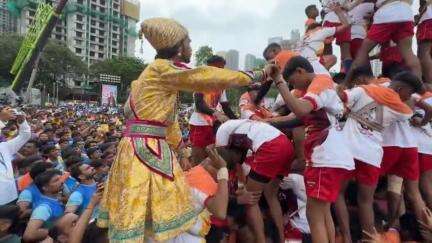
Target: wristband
222	174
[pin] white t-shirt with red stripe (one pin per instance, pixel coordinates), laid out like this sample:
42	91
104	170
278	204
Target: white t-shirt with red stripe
322	128
258	132
366	143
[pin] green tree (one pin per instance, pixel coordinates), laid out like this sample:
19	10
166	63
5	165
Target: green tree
128	68
56	62
203	53
9	44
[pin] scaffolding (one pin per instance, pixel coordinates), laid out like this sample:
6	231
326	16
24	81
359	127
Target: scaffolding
16	6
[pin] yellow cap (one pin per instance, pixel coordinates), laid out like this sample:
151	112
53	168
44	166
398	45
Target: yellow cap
163	33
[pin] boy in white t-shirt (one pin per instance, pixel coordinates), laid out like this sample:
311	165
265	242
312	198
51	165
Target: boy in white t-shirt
358	16
272	156
372	108
400	156
394	21
206	115
312	44
343	39
424	39
329	161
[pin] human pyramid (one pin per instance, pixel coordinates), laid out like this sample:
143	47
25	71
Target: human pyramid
295	166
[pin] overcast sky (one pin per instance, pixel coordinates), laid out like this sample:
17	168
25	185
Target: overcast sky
244	25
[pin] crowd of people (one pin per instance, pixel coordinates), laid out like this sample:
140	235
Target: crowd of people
340	157
54	162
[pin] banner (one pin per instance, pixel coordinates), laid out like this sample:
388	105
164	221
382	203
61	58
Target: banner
109	95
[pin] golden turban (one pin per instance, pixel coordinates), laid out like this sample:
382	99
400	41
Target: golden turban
163	33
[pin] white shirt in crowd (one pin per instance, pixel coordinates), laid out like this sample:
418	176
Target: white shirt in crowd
333	152
258	132
394	12
358	21
331	15
424	134
366	144
8	188
196	118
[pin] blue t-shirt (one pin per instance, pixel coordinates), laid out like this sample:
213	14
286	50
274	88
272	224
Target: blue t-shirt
42	212
25	196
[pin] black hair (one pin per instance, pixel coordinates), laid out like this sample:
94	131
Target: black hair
410	79
38	168
269	47
361	72
28	161
294	63
309	8
92	150
215	59
11	212
34	142
339	78
168	53
48	149
75	171
45	177
72	160
96	163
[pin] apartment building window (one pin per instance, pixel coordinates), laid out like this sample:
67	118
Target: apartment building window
79	26
102	25
78	34
93	22
80	1
115	28
101	40
92	46
101	32
58	37
100	55
92	53
92	38
79	17
102	10
78	50
92	30
102	2
115	5
78	42
114	36
114	43
58	29
93	7
114	50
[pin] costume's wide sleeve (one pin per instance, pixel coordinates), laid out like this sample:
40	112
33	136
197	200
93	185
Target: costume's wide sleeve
206	79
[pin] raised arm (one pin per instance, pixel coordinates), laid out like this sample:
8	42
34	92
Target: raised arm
299	107
24	134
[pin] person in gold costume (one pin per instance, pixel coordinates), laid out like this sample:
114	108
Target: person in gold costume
146	197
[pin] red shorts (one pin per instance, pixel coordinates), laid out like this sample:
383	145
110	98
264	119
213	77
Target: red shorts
341	37
273	158
424	31
355	47
201	136
324	183
365	174
425	162
382	33
402	162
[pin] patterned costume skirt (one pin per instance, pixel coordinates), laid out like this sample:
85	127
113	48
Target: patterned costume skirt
146	196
